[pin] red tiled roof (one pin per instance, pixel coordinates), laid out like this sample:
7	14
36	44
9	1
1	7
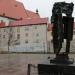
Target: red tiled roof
14	9
32	14
29	22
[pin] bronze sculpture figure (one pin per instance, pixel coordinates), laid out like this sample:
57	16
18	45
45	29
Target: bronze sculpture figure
62	27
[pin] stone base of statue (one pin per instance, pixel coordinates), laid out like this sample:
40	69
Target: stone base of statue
61	65
47	68
62	58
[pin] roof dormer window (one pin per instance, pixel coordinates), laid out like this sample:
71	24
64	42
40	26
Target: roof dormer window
3	14
15	5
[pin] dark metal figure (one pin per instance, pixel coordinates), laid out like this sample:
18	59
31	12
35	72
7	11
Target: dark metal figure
62	29
62	25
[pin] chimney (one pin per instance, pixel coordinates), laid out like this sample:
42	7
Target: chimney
36	11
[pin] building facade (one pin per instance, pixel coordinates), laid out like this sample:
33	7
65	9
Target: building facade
18	37
25	36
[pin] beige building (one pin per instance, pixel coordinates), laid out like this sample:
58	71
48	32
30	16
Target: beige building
28	35
9	34
21	30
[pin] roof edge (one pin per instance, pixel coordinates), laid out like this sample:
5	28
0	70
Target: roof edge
9	17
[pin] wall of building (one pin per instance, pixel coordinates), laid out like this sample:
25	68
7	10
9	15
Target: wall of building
4	39
4	34
31	38
49	39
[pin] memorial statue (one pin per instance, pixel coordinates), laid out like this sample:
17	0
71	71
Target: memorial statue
62	27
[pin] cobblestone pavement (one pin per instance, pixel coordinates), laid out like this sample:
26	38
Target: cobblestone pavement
16	64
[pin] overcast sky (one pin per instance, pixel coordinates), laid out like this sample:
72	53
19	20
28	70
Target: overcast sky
44	6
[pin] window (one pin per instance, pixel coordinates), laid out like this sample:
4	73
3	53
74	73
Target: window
35	27
18	40
3	14
37	41
18	29
17	43
18	36
10	29
4	30
37	34
15	5
26	41
26	28
3	36
26	34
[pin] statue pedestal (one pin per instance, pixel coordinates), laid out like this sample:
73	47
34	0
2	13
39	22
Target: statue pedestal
47	68
61	65
62	58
